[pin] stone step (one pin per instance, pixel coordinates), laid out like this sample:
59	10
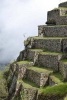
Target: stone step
32	55
63	68
38	75
29	90
52	31
63	4
57	16
55	79
50	60
19	68
48	43
55	44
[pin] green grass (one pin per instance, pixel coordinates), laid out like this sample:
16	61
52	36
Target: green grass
47	38
28	84
55	79
57	89
39	50
23	62
3	86
64	61
58	76
50	53
41	70
64	8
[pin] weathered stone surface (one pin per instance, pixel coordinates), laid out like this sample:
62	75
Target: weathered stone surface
53	80
63	69
52	31
53	38
28	93
63	4
22	55
49	60
33	55
58	16
50	97
65	45
48	44
29	43
39	78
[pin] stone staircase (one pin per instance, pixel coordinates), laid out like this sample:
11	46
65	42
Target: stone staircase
44	60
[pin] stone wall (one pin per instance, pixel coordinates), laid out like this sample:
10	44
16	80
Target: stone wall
50	97
65	45
48	44
40	79
63	4
63	70
28	93
32	55
53	15
52	31
22	55
50	61
58	16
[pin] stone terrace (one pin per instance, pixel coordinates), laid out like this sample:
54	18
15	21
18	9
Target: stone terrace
44	60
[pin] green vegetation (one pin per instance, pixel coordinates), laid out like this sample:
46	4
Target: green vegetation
60	89
28	84
64	61
41	70
23	62
58	75
3	86
64	8
36	50
50	53
50	38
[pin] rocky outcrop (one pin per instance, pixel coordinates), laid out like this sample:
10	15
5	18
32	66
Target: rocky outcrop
43	63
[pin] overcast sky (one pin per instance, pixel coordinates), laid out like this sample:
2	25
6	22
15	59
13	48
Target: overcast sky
19	18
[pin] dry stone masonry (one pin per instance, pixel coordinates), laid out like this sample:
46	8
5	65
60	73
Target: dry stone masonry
44	56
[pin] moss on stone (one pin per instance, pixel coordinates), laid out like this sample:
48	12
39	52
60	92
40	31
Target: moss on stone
36	50
41	70
3	86
23	62
28	84
64	61
50	53
57	89
58	76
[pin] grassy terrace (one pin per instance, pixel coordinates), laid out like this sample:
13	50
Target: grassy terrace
57	78
36	50
58	75
53	26
51	53
60	89
23	62
64	8
3	86
41	70
64	61
28	84
50	38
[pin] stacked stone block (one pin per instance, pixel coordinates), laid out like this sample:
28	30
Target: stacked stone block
46	51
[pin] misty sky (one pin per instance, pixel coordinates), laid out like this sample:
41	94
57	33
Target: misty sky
18	20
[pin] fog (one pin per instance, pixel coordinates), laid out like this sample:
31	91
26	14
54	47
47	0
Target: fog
19	19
